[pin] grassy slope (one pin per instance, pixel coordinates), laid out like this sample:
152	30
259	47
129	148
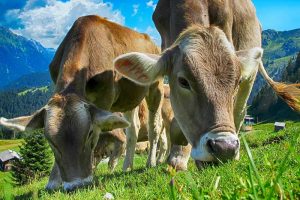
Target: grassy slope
33	90
269	150
10	144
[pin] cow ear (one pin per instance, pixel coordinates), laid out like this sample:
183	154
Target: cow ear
250	60
107	121
143	69
34	121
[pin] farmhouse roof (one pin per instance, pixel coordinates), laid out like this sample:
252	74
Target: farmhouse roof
8	155
281	124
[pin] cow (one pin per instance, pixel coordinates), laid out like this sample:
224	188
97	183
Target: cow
212	52
86	88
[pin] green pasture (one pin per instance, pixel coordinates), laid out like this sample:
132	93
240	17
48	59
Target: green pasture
269	168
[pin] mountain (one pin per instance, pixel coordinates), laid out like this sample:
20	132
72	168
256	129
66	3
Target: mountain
267	106
279	48
20	56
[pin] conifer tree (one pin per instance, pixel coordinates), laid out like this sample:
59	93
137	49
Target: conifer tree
35	159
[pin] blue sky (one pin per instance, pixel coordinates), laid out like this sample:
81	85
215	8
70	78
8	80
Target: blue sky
47	21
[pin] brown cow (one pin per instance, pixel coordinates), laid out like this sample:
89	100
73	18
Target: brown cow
211	70
83	72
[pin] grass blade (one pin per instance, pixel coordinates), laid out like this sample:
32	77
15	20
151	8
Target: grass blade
253	164
282	166
252	182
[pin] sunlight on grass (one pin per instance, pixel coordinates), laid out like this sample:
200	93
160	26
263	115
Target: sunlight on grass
268	168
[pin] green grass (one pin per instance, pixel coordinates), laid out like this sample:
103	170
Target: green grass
10	144
268	169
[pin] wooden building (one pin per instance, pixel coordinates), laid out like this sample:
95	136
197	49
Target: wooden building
248	122
279	126
6	159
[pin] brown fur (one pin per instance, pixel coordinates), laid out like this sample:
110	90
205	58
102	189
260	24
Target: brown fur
290	93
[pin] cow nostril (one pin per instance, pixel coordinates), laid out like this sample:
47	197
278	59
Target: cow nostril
210	144
223	149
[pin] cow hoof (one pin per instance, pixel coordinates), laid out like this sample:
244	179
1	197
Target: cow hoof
178	165
159	162
151	164
78	183
127	167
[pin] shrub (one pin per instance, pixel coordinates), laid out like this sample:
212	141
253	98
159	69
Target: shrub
35	159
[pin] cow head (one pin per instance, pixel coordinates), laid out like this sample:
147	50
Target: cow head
72	128
204	74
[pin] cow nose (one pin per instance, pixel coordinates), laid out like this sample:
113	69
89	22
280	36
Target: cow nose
78	183
224	149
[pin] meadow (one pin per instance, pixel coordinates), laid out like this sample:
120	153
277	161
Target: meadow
269	168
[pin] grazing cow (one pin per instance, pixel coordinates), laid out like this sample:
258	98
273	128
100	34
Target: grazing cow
86	82
211	57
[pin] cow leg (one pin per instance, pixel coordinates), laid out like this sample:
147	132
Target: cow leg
55	180
114	157
154	101
179	156
167	129
131	137
163	147
112	163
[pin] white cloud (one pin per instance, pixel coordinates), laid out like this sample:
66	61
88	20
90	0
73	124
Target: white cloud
135	9
49	23
154	35
151	4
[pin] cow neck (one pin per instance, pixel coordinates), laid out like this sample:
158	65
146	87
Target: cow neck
188	13
75	84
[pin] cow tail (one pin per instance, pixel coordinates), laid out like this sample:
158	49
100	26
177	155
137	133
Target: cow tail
290	93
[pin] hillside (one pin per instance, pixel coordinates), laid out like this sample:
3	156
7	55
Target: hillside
20	56
267	106
18	102
279	48
38	79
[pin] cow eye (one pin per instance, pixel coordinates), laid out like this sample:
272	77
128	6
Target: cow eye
183	83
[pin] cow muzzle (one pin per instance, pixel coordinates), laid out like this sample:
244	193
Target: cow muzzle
78	183
217	147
